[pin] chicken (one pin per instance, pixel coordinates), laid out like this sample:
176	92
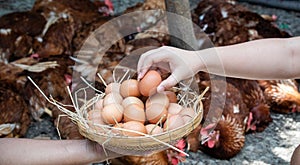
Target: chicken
148	18
225	118
14	114
193	140
282	95
57	40
165	157
64	20
159	158
228	23
80	11
253	97
106	7
17	32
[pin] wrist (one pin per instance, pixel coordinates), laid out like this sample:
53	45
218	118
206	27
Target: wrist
208	60
197	61
96	152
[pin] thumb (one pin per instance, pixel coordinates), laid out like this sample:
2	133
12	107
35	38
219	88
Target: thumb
167	83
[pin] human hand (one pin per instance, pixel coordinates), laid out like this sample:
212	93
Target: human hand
99	153
181	63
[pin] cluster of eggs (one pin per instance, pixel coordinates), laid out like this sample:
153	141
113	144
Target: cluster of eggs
123	107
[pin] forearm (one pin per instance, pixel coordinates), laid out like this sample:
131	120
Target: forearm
260	59
29	151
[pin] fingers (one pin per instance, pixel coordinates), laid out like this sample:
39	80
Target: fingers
144	63
167	83
142	73
149	59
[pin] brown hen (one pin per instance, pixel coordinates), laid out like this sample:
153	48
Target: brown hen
159	158
228	23
282	95
65	20
225	118
253	97
14	114
17	34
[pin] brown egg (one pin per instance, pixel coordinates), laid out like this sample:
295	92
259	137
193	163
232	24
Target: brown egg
112	98
153	129
174	108
172	96
158	98
112	87
130	88
132	100
99	104
156	112
173	122
149	83
94	116
135	126
134	112
187	114
112	113
116	131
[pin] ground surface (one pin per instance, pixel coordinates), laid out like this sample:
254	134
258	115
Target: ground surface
271	147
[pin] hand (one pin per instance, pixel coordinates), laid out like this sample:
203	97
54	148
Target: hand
53	151
181	63
100	154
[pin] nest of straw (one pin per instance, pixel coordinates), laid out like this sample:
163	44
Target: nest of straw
110	139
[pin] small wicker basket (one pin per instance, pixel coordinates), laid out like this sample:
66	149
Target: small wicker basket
141	145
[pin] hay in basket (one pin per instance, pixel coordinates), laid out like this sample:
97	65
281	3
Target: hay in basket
109	137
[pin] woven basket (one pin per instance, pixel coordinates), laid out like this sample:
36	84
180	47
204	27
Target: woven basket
141	145
137	145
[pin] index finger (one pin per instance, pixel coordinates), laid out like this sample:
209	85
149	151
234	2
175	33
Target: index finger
146	61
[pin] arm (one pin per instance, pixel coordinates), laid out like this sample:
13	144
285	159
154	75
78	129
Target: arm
30	151
259	59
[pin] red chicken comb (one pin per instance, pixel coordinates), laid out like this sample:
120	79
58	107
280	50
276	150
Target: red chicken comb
110	5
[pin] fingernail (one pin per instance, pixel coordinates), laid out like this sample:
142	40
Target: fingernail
160	89
139	76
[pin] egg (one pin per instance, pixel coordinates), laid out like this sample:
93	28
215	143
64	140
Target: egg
158	98
112	87
132	100
174	108
173	122
149	82
135	126
112	98
172	96
117	131
156	112
153	129
99	104
134	112
112	113
95	117
130	88
187	114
